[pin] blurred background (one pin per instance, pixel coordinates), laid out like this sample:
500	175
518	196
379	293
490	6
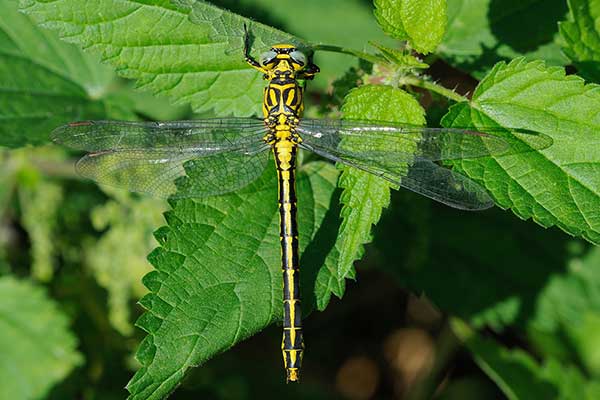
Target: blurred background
447	304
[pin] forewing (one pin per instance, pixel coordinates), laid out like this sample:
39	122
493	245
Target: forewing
406	155
205	135
170	159
405	143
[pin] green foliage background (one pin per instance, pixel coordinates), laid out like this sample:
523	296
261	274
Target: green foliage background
505	302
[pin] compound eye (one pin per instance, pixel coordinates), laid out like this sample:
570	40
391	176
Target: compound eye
299	57
267	57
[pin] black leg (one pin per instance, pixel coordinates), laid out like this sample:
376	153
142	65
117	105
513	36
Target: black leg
309	72
253	63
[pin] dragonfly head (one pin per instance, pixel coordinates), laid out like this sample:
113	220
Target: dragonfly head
283	60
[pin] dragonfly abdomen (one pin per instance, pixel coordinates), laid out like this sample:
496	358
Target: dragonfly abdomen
292	345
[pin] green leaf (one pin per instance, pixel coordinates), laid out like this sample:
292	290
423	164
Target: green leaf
217	282
127	223
36	346
148	106
581	34
570	382
43	81
483	32
402	59
557	186
520	376
515	372
421	22
193	53
568	310
365	195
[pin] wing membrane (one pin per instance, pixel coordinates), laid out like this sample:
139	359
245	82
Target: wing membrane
206	135
167	175
406	155
170	159
369	139
423	177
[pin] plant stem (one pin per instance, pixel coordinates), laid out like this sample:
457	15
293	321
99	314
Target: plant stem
406	80
360	54
434	87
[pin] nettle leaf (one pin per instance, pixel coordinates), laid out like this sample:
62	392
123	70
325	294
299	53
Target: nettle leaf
402	59
199	62
559	185
482	32
218	274
364	195
581	34
36	346
43	81
421	22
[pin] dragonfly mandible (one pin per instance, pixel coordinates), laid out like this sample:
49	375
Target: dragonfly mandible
208	157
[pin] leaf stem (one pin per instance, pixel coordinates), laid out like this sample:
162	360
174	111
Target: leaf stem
434	87
360	54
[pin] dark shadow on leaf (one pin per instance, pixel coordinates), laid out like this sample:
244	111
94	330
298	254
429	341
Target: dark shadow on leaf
313	258
481	64
486	267
589	70
255	12
525	25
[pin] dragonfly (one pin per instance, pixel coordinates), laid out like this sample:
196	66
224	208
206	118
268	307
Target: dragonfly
210	157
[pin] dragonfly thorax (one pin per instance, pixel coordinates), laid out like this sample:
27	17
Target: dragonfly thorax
283	102
283	71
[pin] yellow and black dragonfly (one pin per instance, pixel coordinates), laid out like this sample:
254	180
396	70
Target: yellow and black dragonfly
209	157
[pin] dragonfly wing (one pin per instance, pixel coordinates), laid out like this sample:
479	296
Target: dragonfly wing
409	142
421	176
174	175
203	136
406	154
446	186
170	159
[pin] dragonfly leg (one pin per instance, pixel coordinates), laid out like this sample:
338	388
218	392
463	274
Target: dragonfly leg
270	138
309	72
296	138
249	59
